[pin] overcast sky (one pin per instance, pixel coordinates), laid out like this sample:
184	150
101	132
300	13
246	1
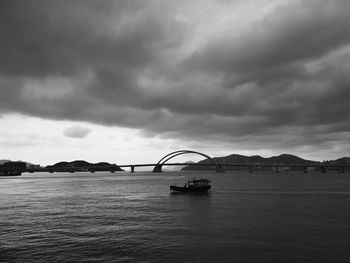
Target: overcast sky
130	81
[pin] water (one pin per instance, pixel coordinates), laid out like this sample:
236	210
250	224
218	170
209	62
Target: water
122	217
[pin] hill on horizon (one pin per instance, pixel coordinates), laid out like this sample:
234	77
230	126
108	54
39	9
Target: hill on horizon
282	159
2	161
84	164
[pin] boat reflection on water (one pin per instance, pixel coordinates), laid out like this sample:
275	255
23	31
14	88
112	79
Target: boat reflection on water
193	186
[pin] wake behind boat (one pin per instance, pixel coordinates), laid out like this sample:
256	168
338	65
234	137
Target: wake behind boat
193	186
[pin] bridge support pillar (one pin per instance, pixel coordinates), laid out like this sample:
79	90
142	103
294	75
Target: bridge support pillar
157	168
132	169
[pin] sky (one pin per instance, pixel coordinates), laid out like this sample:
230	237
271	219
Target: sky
130	81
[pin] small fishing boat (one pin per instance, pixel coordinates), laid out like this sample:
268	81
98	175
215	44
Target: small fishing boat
193	186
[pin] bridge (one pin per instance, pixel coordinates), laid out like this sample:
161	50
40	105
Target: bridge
157	167
162	161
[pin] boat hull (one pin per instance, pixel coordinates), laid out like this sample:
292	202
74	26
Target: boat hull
201	189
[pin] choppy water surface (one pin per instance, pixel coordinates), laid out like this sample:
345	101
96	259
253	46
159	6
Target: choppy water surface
124	217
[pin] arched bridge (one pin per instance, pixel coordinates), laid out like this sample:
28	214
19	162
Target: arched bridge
17	168
162	161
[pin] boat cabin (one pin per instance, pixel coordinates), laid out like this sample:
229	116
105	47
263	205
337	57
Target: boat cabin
199	182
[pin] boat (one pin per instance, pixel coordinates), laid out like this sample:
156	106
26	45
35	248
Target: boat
193	186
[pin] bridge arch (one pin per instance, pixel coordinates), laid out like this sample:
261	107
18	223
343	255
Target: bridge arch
162	161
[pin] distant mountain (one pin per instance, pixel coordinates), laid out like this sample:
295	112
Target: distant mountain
102	164
283	159
59	165
175	167
81	163
84	165
342	161
288	159
2	161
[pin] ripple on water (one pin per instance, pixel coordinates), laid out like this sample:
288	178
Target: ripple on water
111	218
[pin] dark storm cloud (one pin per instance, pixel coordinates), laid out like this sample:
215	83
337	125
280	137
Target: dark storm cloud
293	34
127	63
43	38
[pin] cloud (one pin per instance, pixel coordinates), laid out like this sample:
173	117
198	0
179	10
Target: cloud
177	70
76	132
